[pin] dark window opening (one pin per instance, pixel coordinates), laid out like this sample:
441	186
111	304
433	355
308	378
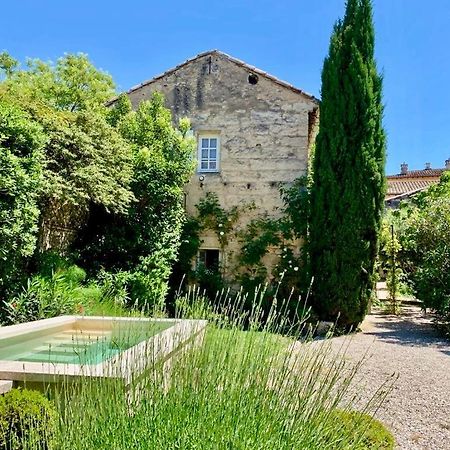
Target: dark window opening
253	78
209	258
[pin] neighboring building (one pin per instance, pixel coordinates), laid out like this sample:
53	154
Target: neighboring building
254	134
407	183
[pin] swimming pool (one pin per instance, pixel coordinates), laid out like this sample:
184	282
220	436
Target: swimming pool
69	347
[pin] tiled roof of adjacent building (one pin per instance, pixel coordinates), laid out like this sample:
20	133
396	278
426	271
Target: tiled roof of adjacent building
235	61
410	182
418	174
397	187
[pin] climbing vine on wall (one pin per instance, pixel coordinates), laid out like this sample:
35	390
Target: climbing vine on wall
213	217
264	233
261	236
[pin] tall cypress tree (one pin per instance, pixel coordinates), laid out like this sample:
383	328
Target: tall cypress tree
348	191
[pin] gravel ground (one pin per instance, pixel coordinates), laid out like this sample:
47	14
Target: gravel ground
417	409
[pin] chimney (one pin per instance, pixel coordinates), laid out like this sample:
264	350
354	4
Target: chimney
447	164
404	168
427	166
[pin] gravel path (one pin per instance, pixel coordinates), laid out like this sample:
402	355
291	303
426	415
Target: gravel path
417	410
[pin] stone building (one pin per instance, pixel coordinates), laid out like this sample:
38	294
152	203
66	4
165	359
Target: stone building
254	134
407	183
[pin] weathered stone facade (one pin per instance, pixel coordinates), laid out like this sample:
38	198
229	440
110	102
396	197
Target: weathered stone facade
264	128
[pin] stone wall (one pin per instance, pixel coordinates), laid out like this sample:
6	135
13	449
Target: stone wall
265	132
60	225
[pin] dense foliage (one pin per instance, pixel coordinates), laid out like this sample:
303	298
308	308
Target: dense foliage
87	161
50	295
21	182
72	84
265	242
284	239
423	233
142	245
59	157
27	420
69	161
348	190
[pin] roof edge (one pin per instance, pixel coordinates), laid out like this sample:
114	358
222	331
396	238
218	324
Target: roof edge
418	173
236	61
406	194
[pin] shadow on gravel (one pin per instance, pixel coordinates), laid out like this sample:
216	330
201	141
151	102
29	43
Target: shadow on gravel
412	328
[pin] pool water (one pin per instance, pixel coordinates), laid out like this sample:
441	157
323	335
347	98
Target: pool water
78	346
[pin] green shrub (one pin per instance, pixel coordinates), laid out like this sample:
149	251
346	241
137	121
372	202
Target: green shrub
368	433
114	287
209	281
21	162
44	297
429	231
143	289
27	420
49	262
426	251
144	241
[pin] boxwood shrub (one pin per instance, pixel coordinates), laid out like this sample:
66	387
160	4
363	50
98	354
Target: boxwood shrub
27	420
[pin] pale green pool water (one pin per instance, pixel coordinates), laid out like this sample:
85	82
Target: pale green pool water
78	346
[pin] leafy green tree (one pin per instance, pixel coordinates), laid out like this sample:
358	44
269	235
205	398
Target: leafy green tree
425	254
122	106
72	84
145	241
348	190
87	161
21	161
7	63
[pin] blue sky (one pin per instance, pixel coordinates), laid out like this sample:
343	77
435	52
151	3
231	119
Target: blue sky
136	40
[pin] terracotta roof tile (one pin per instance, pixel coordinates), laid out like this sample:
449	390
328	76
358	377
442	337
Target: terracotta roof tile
398	187
418	173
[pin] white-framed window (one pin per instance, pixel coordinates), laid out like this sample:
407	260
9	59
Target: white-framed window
208	153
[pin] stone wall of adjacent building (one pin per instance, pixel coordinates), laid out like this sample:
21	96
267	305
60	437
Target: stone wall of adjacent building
265	131
60	224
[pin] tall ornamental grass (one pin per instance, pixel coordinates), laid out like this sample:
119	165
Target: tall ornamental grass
245	387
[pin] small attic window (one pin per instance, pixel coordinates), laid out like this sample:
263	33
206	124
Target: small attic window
253	78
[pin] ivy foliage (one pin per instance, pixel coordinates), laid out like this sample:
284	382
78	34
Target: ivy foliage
21	182
348	172
258	236
296	198
189	245
210	216
213	217
281	235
